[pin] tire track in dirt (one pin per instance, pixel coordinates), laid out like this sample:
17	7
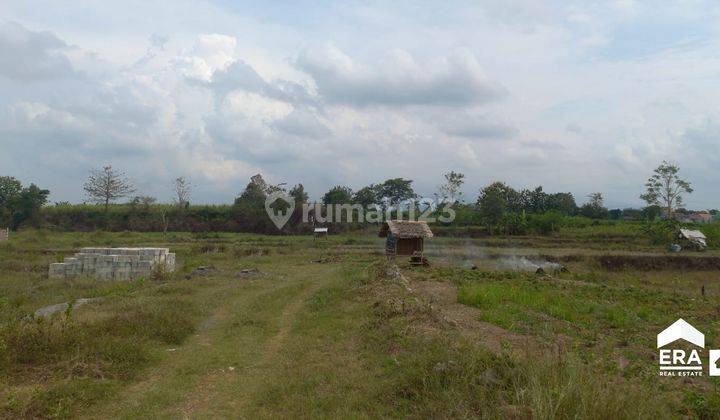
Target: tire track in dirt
206	392
154	377
275	343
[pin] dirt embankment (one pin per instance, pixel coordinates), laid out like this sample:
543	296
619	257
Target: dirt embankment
432	308
658	262
617	262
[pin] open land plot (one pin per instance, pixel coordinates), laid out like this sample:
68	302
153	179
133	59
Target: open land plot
267	326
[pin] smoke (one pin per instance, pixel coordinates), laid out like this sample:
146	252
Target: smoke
466	254
470	256
524	264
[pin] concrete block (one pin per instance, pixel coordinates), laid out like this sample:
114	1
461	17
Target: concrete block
113	263
170	261
57	270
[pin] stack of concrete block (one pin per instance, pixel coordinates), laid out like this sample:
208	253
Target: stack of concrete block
114	263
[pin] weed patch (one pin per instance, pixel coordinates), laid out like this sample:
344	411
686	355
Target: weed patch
445	375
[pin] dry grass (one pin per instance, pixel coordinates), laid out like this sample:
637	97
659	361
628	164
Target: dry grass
330	330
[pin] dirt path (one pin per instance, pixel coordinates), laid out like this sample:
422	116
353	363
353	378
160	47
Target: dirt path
207	392
220	370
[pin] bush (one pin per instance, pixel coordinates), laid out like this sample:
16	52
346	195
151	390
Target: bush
712	231
546	223
515	223
661	232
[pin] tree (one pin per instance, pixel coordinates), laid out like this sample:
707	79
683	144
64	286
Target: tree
257	191
28	204
107	185
266	187
18	204
338	195
492	205
368	196
396	190
665	188
298	193
450	190
504	192
537	200
651	212
9	187
252	194
249	207
561	202
182	188
596	199
300	197
594	208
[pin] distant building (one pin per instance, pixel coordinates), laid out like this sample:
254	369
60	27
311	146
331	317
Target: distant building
702	217
693	217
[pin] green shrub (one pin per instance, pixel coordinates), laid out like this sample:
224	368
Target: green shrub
546	223
661	232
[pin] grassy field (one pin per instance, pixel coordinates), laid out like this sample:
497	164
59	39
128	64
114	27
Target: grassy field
331	329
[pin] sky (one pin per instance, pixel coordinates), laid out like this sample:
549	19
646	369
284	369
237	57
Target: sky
576	96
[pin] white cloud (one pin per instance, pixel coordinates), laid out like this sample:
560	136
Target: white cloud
32	55
500	90
398	78
210	53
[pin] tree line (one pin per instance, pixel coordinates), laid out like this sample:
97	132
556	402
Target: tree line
498	207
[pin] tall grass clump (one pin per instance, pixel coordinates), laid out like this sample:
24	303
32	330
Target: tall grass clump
84	360
562	386
448	377
169	322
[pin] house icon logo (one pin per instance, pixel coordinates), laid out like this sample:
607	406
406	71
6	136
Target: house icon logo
714	366
681	329
279	207
683	361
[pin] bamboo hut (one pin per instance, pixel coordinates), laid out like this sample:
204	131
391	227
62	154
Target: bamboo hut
405	237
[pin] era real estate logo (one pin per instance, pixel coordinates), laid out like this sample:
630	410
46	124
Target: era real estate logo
685	361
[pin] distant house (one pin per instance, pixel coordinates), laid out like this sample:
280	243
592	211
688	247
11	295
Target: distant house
405	237
702	217
694	217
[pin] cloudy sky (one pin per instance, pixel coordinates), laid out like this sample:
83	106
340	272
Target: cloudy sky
577	96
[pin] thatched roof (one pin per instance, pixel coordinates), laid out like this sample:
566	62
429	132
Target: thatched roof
691	234
406	229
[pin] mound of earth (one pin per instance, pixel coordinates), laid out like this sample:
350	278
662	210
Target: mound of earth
658	262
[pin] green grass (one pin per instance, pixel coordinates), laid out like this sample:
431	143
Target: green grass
585	309
337	338
580	305
447	374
